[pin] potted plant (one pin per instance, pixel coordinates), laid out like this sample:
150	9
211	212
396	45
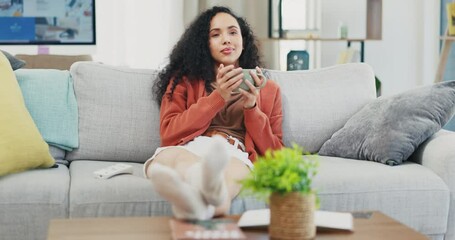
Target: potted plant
284	177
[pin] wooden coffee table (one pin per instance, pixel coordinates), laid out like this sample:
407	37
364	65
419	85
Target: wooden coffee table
367	225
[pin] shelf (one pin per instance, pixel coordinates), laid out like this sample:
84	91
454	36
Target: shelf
361	41
276	33
373	20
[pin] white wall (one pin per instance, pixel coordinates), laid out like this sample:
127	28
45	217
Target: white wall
407	55
137	33
351	13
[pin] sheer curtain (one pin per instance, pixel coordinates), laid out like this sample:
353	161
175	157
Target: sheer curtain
139	33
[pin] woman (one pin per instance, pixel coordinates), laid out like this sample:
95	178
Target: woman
210	135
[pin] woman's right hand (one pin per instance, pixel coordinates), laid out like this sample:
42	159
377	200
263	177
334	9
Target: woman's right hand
227	79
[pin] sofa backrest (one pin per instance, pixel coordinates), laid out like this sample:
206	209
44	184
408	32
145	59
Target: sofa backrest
119	119
317	103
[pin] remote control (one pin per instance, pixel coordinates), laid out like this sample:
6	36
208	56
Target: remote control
113	170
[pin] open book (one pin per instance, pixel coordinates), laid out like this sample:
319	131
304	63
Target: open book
323	219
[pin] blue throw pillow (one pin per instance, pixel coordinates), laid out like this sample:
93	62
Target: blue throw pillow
50	99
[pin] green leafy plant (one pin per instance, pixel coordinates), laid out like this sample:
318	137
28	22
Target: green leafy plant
282	171
378	86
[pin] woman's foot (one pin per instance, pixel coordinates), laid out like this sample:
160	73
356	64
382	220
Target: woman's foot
208	176
187	202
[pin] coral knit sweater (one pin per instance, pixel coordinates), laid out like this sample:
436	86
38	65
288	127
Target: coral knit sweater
190	111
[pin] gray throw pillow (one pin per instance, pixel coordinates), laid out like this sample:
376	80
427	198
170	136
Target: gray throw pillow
389	129
15	62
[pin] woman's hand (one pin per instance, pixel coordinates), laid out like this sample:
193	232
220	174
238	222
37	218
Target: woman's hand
227	79
249	97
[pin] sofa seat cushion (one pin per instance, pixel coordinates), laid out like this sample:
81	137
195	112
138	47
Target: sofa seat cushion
243	202
28	200
122	195
410	193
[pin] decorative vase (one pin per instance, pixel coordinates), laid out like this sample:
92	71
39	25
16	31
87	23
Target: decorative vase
292	216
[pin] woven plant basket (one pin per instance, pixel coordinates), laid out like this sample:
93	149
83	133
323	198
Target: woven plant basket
292	216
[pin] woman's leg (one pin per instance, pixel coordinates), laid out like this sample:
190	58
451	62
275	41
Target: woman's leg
217	175
235	171
176	158
166	174
214	177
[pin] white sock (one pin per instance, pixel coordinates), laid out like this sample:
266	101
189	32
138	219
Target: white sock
208	174
187	202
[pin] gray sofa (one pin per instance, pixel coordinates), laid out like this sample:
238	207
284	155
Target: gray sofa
118	122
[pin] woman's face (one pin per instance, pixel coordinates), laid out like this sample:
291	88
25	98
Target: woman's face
225	39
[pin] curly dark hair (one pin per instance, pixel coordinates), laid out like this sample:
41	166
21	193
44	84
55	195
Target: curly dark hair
191	56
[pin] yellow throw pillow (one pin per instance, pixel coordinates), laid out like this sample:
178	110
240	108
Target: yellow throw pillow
21	144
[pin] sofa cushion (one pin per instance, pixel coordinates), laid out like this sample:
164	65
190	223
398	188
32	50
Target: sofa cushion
410	193
317	103
122	195
118	117
49	97
125	195
389	129
29	200
21	145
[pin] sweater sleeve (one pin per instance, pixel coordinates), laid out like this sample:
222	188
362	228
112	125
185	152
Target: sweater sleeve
264	122
184	117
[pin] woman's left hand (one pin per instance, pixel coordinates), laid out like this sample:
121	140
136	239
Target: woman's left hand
249	97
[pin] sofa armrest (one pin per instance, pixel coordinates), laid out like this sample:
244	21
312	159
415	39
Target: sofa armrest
438	154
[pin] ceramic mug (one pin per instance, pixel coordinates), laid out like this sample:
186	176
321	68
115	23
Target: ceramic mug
247	77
